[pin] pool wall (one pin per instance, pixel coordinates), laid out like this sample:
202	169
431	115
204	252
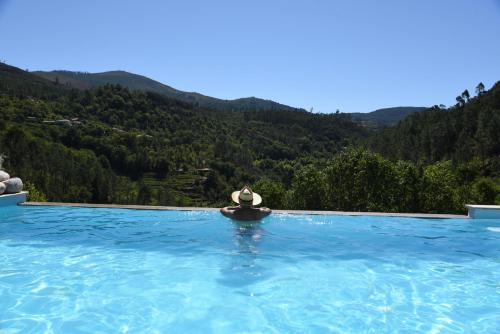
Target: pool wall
13	199
483	211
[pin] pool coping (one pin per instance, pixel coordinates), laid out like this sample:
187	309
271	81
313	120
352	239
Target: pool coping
293	212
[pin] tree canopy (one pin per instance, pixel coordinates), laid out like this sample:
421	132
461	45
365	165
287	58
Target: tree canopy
110	144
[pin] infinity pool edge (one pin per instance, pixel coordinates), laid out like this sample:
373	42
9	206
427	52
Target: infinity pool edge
294	212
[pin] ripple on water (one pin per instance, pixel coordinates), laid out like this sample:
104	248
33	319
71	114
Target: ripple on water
71	270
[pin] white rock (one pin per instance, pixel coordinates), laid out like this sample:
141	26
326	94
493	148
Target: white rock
2	188
14	185
4	176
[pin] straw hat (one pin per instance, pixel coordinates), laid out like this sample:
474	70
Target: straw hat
246	196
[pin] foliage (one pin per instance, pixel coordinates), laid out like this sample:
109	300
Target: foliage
440	188
84	80
359	180
273	193
461	133
385	117
110	144
34	195
485	191
308	189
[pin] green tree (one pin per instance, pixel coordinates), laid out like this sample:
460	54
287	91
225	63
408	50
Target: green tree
485	191
465	95
359	180
34	195
144	195
308	189
273	193
439	192
408	186
460	101
480	89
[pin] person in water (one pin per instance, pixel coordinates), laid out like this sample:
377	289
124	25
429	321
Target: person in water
246	209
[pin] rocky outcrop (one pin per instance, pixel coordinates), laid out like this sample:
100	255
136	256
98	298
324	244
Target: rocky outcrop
2	188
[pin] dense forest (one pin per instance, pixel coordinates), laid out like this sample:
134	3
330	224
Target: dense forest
110	144
384	117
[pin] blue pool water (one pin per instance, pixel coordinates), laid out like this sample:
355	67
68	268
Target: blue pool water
75	270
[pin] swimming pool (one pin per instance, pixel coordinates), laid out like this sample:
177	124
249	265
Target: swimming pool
81	270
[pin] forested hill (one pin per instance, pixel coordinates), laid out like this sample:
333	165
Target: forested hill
386	116
111	144
84	80
469	130
16	82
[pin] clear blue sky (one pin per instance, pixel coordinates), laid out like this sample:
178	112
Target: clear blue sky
350	55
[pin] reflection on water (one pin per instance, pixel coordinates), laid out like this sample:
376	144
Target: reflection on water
243	267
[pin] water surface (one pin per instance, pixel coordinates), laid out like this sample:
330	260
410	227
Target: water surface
80	270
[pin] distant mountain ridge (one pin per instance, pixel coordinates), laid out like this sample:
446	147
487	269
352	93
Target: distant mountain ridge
85	80
386	116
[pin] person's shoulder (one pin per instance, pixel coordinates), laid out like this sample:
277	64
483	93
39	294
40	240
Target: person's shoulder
264	212
227	211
